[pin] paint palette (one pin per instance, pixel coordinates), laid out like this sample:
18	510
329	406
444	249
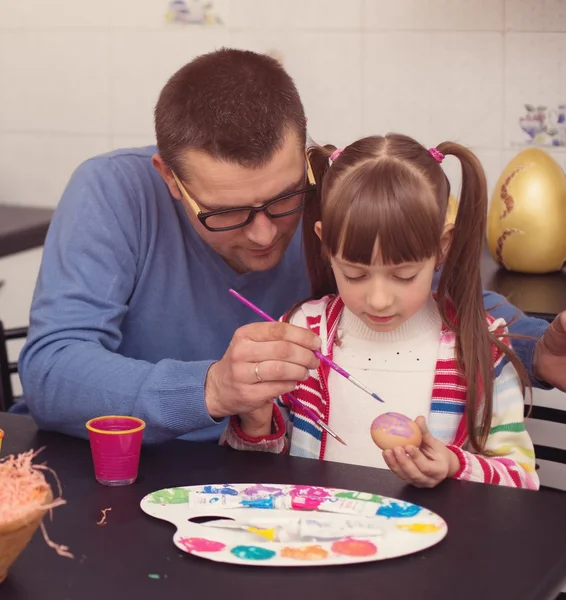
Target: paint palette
292	525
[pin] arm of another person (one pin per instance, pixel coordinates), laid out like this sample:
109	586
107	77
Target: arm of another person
70	368
272	437
519	324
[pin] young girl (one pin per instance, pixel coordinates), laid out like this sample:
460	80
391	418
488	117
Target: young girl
374	237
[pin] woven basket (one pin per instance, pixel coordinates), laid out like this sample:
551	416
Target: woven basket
15	536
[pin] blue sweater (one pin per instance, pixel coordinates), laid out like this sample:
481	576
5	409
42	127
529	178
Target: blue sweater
131	307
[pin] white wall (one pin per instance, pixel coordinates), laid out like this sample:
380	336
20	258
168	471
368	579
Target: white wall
79	78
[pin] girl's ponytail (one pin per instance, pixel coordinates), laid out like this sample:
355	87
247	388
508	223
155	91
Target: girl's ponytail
460	282
320	273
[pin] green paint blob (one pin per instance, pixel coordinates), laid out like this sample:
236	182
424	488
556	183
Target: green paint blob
170	496
253	553
365	496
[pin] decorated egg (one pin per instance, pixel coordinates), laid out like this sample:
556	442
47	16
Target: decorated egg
526	227
391	429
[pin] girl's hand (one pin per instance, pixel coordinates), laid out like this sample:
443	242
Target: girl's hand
426	466
258	422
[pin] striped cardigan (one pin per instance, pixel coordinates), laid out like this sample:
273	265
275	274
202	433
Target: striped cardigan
509	454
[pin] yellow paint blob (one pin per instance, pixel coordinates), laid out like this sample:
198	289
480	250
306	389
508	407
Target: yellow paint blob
420	527
268	534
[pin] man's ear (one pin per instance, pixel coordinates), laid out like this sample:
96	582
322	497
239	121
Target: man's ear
166	175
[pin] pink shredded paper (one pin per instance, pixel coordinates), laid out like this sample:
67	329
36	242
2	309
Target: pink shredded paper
22	492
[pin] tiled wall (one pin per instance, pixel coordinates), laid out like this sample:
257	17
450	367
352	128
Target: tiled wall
78	78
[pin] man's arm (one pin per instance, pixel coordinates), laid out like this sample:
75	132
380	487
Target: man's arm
69	367
519	324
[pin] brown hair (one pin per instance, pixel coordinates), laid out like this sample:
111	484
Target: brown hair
234	105
391	189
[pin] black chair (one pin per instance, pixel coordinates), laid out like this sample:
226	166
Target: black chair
550	458
7	368
550	415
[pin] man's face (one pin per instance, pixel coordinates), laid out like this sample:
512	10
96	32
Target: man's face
216	184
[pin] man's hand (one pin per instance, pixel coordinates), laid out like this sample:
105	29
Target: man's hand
549	364
425	466
263	361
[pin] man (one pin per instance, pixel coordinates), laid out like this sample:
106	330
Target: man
132	314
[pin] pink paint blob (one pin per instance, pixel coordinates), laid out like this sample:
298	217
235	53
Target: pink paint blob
258	489
201	545
305	503
305	497
305	491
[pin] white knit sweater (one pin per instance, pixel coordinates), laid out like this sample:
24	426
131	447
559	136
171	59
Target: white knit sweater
399	366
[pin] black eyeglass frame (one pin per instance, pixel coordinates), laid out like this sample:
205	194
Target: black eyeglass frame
253	210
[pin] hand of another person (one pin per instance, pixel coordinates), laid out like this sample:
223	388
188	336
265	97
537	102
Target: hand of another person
549	364
425	466
258	422
263	361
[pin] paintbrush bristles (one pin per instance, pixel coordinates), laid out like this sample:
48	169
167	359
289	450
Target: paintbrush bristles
330	432
362	387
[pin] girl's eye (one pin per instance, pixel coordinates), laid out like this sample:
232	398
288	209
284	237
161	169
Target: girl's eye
405	279
359	278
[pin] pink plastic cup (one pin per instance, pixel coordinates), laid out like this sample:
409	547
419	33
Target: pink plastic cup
115	443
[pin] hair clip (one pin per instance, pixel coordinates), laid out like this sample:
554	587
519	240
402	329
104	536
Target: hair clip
436	154
334	155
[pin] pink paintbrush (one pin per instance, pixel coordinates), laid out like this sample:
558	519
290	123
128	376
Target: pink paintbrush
318	354
310	413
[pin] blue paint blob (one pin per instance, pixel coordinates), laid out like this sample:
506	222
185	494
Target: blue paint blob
265	502
398	509
225	489
252	552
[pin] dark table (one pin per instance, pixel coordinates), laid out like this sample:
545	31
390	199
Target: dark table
502	544
22	228
542	296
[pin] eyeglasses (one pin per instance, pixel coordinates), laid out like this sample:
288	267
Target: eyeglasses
233	218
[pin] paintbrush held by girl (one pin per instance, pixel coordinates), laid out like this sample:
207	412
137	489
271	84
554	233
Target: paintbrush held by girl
374	237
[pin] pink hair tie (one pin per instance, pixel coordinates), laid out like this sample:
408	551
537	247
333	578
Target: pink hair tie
335	155
436	154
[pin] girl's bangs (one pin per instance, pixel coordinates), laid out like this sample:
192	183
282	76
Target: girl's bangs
382	208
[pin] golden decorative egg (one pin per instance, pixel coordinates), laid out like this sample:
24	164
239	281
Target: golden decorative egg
526	225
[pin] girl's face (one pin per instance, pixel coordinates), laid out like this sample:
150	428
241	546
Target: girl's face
384	296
